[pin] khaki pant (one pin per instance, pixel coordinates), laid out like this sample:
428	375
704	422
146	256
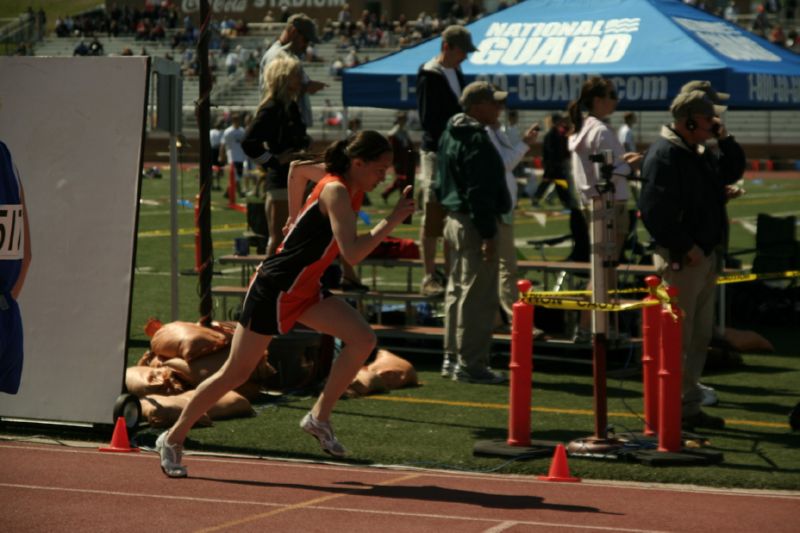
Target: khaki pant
696	297
507	255
471	299
433	213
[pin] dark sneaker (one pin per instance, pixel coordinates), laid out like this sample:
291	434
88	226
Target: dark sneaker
486	376
702	420
323	432
354	286
171	455
440	277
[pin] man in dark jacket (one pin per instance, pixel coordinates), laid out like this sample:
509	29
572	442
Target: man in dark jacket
471	187
683	207
439	85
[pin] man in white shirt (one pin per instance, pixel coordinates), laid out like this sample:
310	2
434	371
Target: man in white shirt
231	146
299	32
625	132
511	152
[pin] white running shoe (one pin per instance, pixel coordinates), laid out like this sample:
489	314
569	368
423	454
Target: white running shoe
323	432
171	455
709	395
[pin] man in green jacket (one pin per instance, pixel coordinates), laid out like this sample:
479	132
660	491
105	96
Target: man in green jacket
471	187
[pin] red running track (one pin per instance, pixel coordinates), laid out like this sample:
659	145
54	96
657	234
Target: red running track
56	488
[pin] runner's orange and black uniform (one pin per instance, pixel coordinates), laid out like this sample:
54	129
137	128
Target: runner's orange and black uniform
288	283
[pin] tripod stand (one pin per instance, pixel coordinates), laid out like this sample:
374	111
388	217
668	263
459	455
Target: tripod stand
604	259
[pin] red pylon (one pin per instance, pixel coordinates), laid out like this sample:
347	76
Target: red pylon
559	469
119	440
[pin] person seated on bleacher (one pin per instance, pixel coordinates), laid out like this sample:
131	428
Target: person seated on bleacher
81	49
336	68
329	32
351	59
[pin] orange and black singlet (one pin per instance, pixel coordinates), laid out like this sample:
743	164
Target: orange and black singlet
288	283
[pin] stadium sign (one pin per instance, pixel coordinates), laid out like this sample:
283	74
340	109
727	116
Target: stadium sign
242	6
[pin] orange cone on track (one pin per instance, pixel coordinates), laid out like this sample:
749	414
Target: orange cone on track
119	440
559	469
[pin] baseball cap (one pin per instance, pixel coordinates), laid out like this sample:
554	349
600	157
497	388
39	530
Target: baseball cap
705	86
692	103
458	36
480	91
303	24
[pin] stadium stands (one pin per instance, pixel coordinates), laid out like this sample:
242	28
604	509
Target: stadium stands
768	135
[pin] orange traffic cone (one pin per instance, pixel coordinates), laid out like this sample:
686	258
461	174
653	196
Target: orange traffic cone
559	469
119	440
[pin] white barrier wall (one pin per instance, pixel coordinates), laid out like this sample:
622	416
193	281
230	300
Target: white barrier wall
74	127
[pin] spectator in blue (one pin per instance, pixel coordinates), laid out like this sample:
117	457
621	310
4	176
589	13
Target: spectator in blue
15	258
81	49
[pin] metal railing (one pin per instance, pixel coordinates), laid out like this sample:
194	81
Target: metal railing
15	31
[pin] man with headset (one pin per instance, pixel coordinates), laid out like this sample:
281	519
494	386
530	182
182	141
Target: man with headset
684	191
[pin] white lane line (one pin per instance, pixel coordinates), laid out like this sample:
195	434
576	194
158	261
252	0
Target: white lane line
194	499
280	462
501	527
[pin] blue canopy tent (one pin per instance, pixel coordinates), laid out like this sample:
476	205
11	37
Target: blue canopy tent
541	51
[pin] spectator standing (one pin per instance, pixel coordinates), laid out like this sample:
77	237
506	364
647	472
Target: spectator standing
15	258
231	62
760	25
439	85
683	207
471	185
591	135
231	146
730	13
215	138
511	152
625	132
300	31
626	139
404	157
276	137
555	156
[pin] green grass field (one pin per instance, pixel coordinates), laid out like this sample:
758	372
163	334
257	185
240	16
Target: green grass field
437	424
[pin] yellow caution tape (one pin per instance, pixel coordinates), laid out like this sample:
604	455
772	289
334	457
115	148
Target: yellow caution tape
583	305
575	300
585	292
660	290
725	279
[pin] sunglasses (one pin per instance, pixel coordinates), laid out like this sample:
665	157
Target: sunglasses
612	95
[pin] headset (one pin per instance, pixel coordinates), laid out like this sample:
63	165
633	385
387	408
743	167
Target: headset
691	125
